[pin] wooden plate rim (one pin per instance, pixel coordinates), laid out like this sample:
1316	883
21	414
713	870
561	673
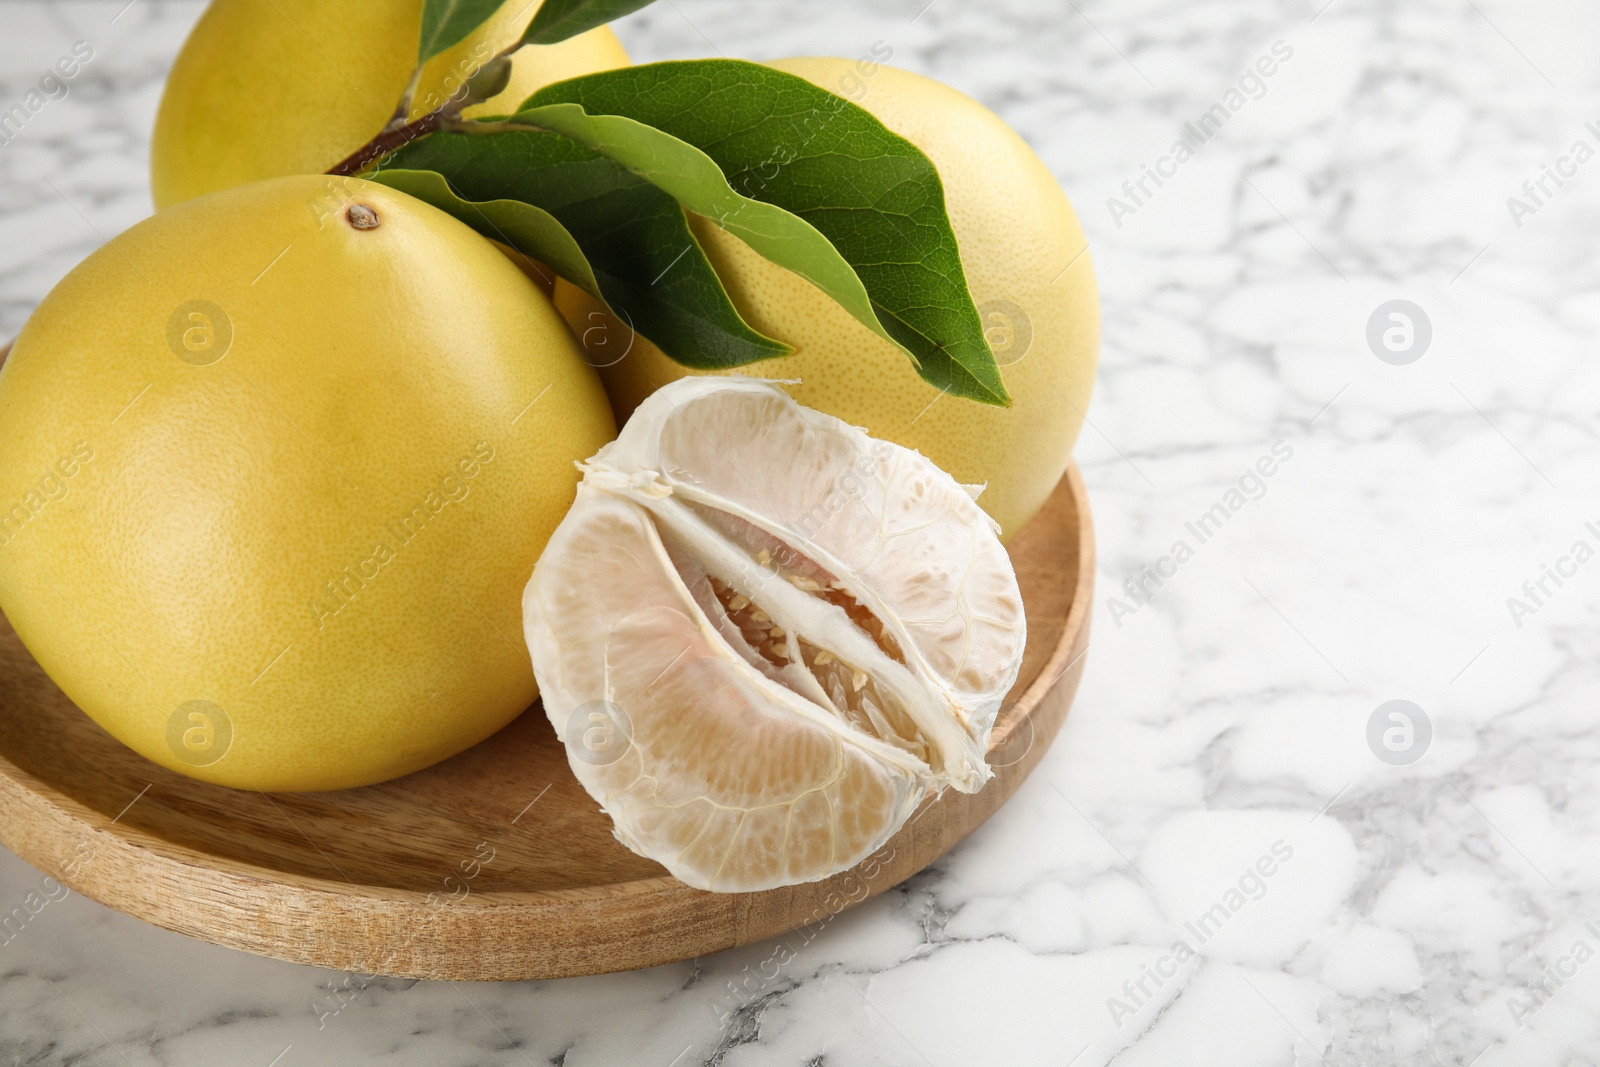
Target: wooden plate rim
59	818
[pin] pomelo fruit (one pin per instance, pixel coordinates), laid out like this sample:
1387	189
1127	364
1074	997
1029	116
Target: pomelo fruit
265	88
1027	265
274	471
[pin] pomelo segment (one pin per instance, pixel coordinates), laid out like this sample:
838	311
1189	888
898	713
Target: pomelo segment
766	637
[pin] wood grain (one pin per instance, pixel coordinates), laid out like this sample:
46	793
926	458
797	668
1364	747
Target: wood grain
493	865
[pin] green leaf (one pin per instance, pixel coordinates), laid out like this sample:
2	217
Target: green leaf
449	22
626	242
781	141
695	180
559	19
530	230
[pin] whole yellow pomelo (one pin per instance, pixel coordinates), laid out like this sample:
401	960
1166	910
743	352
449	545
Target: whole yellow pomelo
1027	266
265	88
271	483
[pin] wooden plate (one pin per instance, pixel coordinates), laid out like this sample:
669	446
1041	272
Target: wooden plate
493	865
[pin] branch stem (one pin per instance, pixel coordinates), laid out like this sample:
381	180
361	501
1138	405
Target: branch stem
399	133
403	108
505	125
392	138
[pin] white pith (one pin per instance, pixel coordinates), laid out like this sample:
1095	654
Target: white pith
807	634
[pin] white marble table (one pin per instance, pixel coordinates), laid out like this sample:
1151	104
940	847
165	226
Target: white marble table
1212	866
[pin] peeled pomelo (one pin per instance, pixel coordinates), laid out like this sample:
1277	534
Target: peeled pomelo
766	637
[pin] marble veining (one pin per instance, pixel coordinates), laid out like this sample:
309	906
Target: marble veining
1226	857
